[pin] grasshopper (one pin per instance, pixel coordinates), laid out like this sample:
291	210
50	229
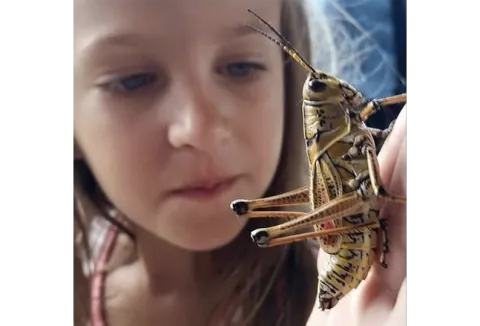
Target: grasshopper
345	191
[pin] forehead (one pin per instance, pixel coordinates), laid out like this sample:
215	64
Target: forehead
115	19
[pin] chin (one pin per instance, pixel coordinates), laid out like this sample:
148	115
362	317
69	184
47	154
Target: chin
204	235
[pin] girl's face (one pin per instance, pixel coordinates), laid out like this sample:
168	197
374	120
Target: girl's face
178	110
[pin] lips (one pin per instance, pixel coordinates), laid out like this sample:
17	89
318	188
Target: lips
205	188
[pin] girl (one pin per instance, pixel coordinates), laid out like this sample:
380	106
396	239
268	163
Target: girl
180	109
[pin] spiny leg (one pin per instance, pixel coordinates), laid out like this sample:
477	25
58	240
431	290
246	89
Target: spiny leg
376	105
291	198
382	133
374	172
273	214
386	243
344	205
316	234
355	150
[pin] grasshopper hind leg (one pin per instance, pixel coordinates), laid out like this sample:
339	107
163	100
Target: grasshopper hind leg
240	207
295	197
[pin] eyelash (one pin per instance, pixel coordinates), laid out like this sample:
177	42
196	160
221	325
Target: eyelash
252	68
136	82
132	82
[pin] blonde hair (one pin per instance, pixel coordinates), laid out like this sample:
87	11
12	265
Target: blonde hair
272	287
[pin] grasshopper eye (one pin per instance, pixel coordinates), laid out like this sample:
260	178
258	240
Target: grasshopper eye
317	85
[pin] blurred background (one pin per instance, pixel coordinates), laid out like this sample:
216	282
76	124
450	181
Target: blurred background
368	47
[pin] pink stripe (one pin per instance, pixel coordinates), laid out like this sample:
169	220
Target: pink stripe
97	317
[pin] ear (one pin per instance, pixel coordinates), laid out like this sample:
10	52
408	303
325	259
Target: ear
77	152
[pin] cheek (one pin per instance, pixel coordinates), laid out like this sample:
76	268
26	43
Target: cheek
122	157
263	129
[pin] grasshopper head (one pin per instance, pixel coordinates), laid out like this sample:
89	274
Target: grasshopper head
319	87
322	108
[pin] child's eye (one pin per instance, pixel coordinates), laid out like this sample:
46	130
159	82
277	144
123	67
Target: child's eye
132	83
241	69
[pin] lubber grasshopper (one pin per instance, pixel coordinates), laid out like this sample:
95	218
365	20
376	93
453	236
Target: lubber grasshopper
345	191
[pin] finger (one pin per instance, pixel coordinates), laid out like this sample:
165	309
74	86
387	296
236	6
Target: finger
387	156
398	317
384	284
394	164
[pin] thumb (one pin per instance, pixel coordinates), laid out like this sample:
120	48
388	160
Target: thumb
384	284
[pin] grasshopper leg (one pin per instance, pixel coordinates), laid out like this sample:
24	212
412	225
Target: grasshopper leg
291	198
316	234
273	214
374	172
376	105
347	204
386	243
382	134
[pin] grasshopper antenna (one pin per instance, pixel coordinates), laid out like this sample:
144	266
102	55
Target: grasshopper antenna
284	44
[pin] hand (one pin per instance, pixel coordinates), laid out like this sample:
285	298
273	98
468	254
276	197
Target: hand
381	298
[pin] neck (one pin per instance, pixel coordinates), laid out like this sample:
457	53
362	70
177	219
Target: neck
170	268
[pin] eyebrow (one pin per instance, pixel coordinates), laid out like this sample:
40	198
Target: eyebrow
112	40
243	30
131	39
99	46
239	30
